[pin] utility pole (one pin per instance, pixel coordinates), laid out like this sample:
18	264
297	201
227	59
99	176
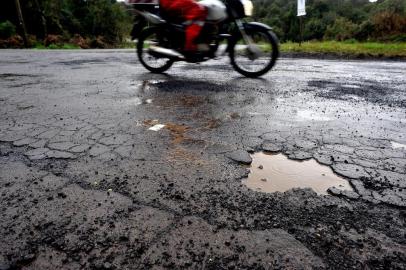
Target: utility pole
301	30
21	22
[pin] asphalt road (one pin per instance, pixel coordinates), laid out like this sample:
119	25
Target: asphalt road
84	183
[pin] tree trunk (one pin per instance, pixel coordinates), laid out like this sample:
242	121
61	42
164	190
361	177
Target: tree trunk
43	19
22	24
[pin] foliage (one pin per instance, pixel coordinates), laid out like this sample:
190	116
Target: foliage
7	29
104	20
106	23
342	29
384	20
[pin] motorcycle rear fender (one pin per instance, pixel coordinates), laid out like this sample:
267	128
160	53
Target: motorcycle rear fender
256	25
142	20
139	24
152	18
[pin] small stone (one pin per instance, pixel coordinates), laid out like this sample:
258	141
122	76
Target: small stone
107	265
62	195
260	167
264	180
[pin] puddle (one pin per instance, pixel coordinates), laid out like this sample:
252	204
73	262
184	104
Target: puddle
275	172
311	115
396	145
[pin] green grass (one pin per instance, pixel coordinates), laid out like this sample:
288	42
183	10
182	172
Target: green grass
65	46
349	48
127	45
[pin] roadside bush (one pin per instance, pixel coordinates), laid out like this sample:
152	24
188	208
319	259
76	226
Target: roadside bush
365	30
99	42
15	41
53	47
399	38
342	29
79	41
350	41
388	24
53	40
314	29
7	29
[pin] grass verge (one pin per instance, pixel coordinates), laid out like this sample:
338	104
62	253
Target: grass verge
351	49
65	46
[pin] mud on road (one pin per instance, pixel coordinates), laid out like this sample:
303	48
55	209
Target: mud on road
106	166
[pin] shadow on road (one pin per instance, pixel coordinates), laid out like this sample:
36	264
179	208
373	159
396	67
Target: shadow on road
170	83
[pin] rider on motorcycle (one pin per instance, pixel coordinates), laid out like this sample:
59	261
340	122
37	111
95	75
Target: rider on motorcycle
194	16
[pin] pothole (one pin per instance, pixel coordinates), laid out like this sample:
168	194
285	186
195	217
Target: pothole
275	172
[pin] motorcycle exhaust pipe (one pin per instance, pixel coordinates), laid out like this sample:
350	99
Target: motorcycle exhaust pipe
165	53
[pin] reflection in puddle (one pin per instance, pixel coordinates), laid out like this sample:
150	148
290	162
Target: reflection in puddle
354	86
275	172
396	145
136	101
311	115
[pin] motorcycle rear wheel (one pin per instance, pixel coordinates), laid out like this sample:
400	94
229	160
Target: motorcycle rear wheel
264	40
149	37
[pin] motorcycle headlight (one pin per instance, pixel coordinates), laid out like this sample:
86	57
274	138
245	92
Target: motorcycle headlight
248	7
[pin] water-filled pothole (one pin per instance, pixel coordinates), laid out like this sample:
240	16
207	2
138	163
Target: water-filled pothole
275	172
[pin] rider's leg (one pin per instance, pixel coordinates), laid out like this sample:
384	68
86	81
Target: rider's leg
192	32
193	13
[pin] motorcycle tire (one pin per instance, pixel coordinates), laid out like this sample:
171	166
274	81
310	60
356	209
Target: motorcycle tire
144	35
274	54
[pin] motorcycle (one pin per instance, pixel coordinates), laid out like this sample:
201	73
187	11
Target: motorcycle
253	47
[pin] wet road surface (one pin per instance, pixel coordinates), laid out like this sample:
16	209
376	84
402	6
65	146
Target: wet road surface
106	166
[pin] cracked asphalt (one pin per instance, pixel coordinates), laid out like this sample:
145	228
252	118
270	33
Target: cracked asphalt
84	183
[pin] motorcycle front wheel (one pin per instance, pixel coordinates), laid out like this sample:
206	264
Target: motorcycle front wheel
152	37
258	58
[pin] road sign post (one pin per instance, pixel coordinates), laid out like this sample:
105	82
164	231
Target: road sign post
301	11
